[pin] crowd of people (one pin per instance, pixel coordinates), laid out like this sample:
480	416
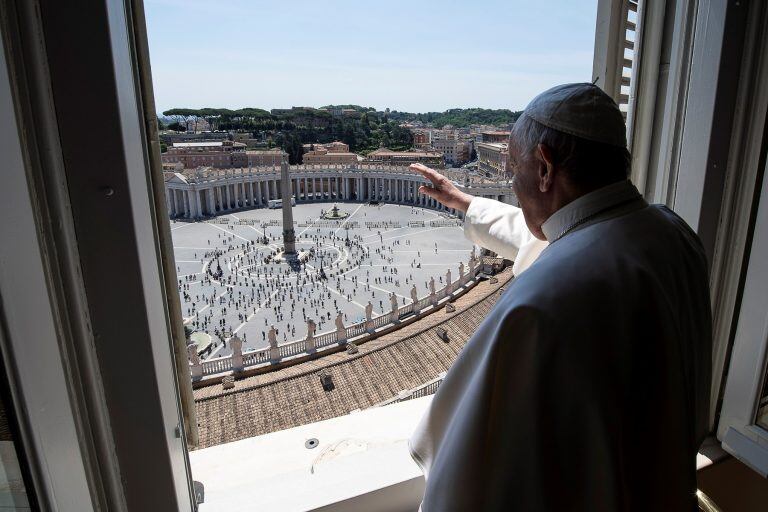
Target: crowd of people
242	278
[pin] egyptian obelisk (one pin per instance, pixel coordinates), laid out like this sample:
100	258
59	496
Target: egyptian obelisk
289	236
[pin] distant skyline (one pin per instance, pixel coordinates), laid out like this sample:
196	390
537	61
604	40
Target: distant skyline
408	56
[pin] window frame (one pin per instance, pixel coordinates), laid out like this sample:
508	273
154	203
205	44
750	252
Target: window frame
737	429
43	407
106	357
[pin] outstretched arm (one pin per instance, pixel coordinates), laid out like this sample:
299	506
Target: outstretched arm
491	224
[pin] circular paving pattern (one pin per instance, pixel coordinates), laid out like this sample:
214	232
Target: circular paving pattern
232	283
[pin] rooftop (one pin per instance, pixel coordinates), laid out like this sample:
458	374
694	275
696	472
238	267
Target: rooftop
293	396
198	144
389	152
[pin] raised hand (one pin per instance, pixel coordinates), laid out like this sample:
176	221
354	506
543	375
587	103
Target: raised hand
442	189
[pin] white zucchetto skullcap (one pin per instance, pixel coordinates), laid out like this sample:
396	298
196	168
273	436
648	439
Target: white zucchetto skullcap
583	110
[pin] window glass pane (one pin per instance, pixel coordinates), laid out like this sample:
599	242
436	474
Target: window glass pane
762	407
13	493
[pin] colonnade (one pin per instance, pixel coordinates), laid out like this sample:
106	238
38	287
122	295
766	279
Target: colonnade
209	198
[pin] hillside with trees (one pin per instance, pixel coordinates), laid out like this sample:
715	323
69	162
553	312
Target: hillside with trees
365	129
459	117
302	125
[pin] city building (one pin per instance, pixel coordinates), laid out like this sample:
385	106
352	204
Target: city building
421	139
330	147
455	152
221	154
208	191
492	158
494	136
173	166
243	137
323	156
263	158
384	155
172	137
331	153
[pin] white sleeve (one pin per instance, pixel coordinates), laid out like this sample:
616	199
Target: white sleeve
496	226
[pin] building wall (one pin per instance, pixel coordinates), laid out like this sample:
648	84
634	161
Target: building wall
406	157
328	157
497	136
492	158
206	192
267	158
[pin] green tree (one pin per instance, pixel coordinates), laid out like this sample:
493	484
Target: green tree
349	138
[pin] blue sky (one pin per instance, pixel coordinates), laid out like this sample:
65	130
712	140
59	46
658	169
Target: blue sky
416	56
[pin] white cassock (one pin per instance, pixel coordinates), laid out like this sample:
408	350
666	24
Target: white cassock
587	386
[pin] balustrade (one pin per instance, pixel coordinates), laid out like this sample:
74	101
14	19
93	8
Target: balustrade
201	369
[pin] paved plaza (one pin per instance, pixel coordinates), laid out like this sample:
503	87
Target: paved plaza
230	283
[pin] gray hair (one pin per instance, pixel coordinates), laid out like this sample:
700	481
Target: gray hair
587	163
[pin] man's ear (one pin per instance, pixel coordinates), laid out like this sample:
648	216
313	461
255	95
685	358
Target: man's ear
546	167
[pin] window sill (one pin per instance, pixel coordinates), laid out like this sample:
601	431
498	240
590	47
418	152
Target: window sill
360	463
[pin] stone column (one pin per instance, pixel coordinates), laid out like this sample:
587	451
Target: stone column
266	192
192	204
228	193
198	203
171	201
187	212
211	201
289	237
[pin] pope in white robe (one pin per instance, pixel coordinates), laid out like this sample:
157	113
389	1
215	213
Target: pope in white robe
586	388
